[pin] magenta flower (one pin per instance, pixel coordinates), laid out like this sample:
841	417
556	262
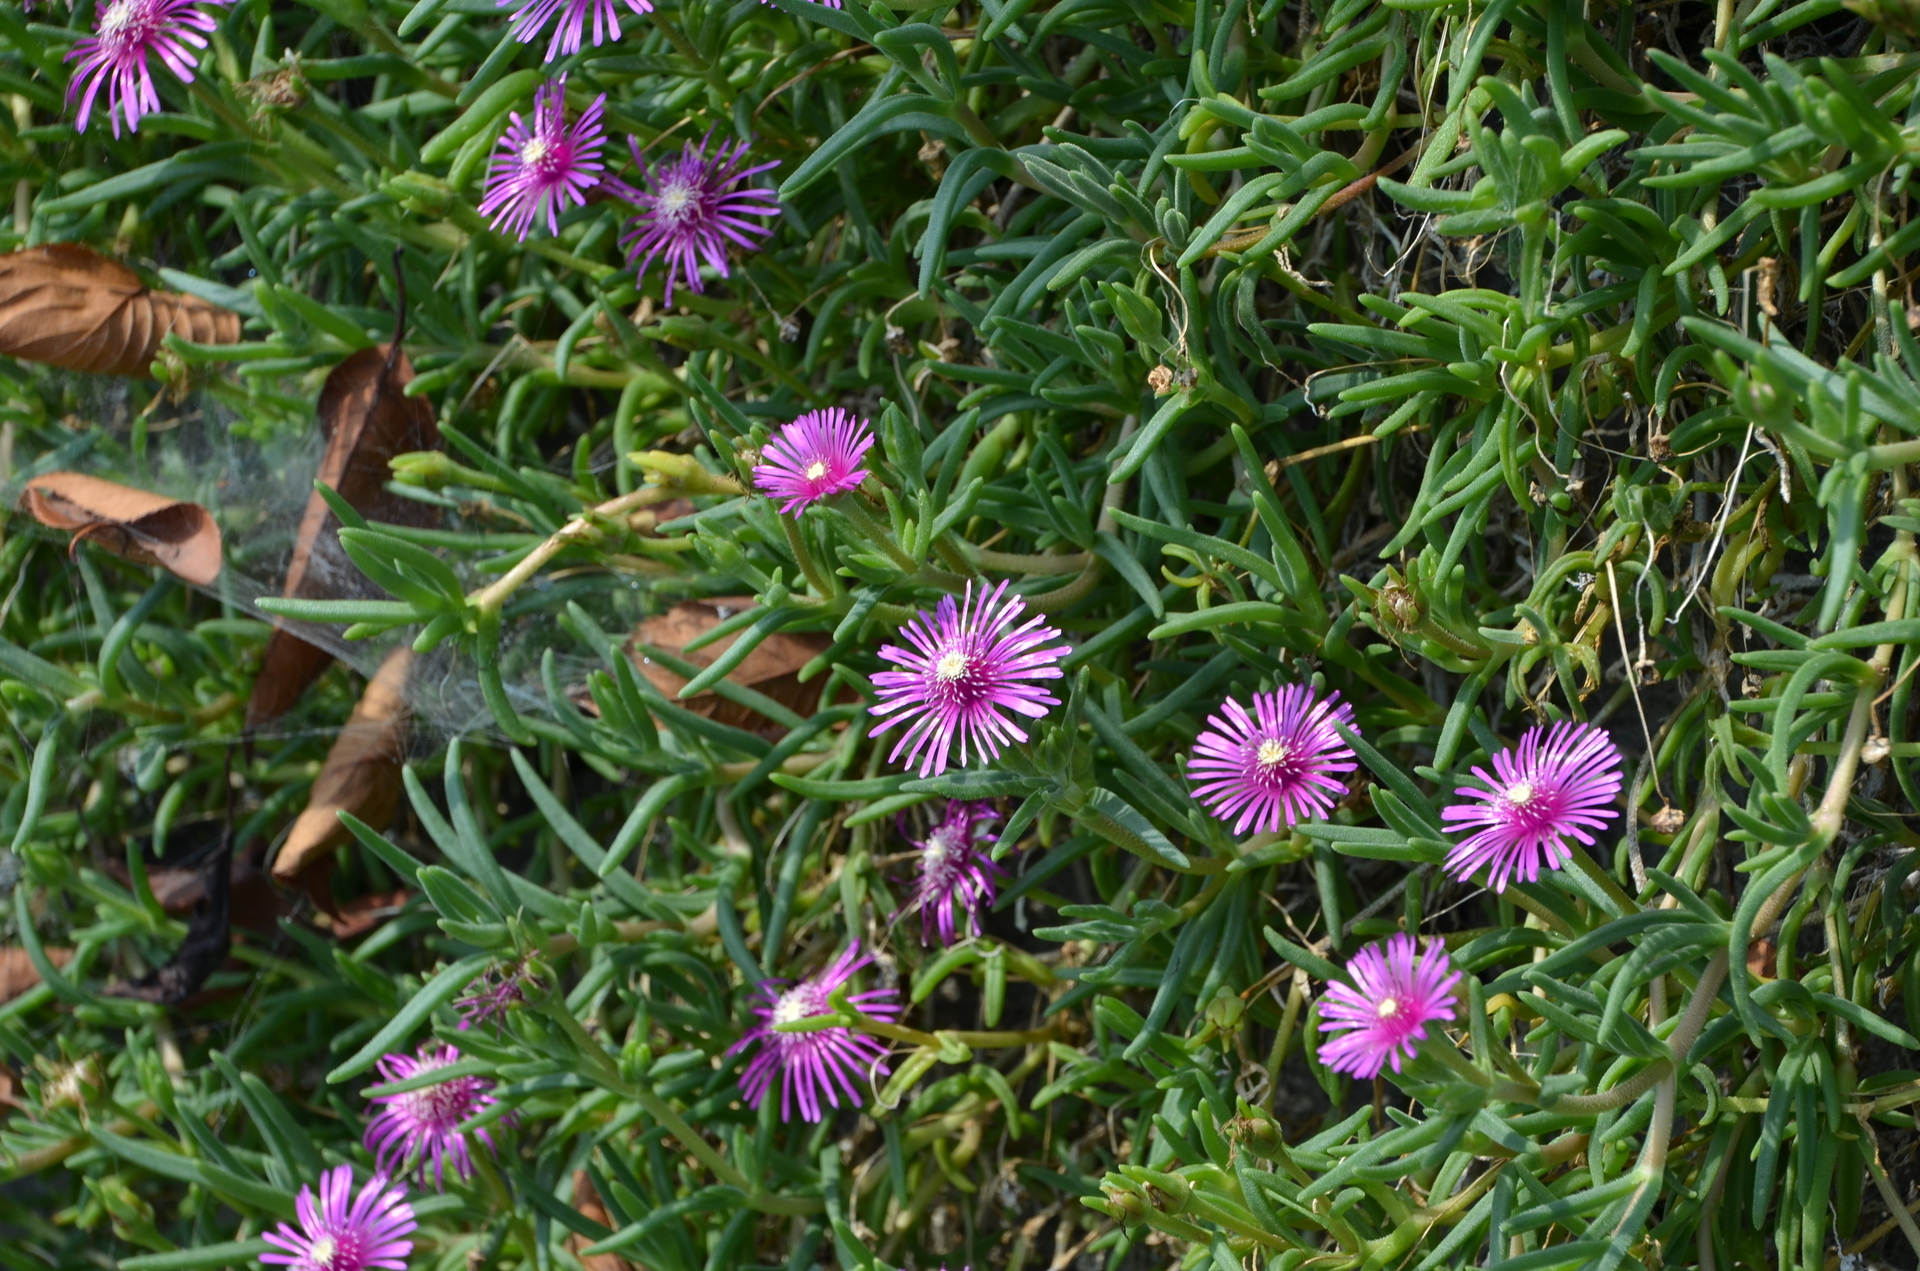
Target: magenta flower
345	1232
489	999
968	665
416	1126
1557	783
955	875
115	56
539	170
1276	766
533	15
810	1064
814	457
1385	1012
691	207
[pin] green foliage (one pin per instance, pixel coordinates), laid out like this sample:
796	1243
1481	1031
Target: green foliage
1488	364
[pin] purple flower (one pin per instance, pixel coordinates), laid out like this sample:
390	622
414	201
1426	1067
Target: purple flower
810	1064
539	170
418	1125
488	1000
115	56
955	875
533	16
1386	1010
346	1232
1556	783
814	457
968	665
1276	766
691	207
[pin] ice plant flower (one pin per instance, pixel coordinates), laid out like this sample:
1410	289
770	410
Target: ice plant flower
542	167
968	665
825	1061
115	56
814	457
1275	765
344	1232
531	18
489	999
417	1126
1383	1016
1556	784
955	876
692	207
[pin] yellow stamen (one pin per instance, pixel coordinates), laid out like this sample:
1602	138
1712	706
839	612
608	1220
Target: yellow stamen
816	470
1271	752
1388	1008
951	666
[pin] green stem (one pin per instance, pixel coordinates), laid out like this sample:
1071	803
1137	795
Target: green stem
607	1074
804	558
850	505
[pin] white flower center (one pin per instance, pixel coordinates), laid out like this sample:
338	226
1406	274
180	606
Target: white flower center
1520	794
1271	752
816	470
116	17
939	844
676	201
534	151
1388	1008
793	1005
321	1252
951	666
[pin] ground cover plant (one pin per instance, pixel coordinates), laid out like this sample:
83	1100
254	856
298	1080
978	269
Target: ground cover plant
1049	634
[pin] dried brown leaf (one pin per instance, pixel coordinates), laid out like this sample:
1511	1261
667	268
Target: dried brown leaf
367	419
208	941
17	973
361	775
587	1201
179	889
140	526
363	913
68	306
772	668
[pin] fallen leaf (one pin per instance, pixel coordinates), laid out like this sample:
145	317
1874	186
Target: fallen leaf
772	668
366	419
363	913
361	775
209	938
587	1201
68	306
17	973
254	903
138	525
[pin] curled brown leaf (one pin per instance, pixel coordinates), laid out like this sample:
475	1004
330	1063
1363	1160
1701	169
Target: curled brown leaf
773	668
367	419
138	525
18	974
361	775
68	306
587	1201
